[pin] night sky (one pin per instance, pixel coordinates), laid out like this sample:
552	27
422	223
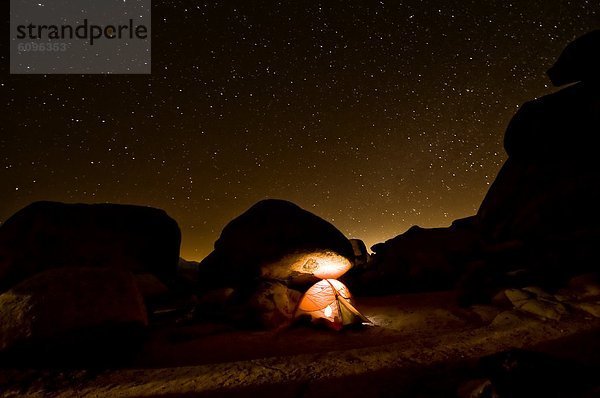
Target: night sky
376	115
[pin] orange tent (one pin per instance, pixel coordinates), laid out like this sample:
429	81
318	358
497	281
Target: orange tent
330	300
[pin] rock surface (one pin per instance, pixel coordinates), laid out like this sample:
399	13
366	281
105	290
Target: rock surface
536	302
302	269
274	305
264	234
48	235
71	311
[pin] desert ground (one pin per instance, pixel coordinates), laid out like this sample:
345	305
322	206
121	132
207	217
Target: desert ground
419	345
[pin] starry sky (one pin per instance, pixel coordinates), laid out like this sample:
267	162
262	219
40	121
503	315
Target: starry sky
375	115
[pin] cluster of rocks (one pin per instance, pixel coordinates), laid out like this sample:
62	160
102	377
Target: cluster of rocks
82	281
580	296
538	224
76	280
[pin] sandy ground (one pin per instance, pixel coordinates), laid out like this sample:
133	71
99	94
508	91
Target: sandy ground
417	345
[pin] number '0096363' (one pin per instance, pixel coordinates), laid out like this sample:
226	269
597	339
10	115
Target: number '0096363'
41	47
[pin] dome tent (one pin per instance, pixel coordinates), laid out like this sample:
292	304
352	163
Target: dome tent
330	301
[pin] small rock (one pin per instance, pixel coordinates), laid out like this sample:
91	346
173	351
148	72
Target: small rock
590	308
539	293
518	297
486	313
275	304
500	299
536	301
544	309
585	286
508	319
477	388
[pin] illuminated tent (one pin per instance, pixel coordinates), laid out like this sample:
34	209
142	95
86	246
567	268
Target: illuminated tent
330	301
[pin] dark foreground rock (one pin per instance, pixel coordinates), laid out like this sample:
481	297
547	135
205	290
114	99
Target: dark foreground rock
539	222
263	235
48	235
71	314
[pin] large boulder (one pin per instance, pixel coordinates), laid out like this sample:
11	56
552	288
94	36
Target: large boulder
546	195
48	235
539	222
271	233
66	313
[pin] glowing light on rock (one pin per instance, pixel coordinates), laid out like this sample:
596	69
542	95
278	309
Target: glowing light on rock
319	264
330	265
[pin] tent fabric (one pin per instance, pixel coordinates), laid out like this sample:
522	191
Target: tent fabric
330	300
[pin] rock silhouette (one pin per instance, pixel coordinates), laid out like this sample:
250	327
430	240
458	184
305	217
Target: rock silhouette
73	279
580	61
48	235
539	221
266	233
420	259
557	128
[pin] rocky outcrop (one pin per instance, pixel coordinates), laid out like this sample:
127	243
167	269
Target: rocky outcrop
264	235
579	62
539	222
263	256
67	313
420	259
47	235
